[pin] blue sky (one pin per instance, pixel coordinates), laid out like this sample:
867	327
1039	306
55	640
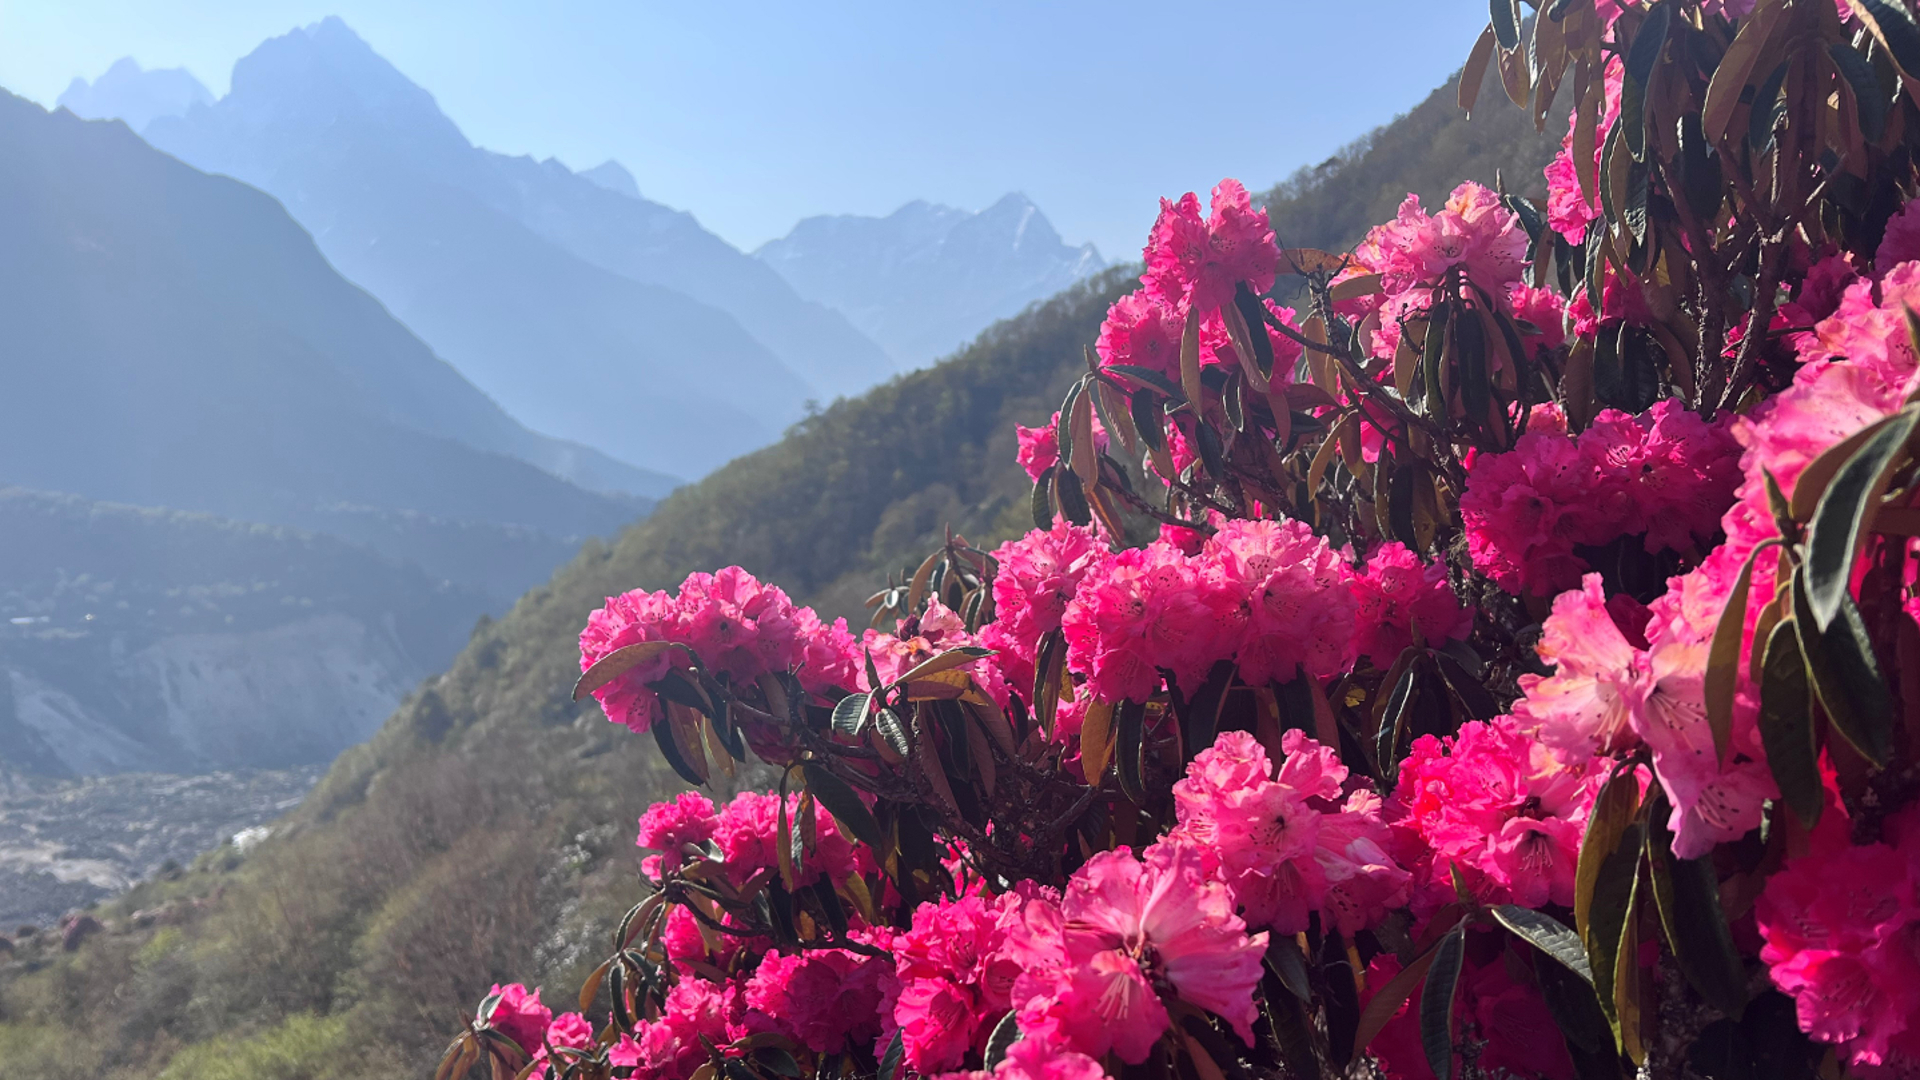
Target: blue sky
753	115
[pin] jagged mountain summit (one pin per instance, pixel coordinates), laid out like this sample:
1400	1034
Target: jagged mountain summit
925	279
581	308
127	92
613	176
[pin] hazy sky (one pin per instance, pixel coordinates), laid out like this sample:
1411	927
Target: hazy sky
753	115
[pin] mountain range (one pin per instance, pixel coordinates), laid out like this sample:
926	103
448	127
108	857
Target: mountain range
925	279
583	310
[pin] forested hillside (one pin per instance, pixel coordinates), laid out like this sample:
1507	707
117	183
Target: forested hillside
492	812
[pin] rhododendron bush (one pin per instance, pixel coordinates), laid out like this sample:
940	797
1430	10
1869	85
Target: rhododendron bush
1499	660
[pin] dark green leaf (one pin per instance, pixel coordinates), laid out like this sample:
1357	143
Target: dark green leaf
1287	964
1042	501
1870	99
888	724
1632	129
1392	738
1255	313
1400	503
674	687
1687	892
1063	429
1436	1002
1149	377
1699	169
1612	899
1547	934
830	905
1635	212
1470	346
850	714
1723	655
1846	510
1576	1010
1895	28
1846	677
1073	498
1769	105
1149	419
1506	22
1292	1025
1472	692
1005	1034
1786	725
669	749
777	1061
1129	734
890	1061
841	801
1648	42
1213	455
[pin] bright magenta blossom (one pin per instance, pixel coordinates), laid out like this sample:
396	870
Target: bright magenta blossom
1197	264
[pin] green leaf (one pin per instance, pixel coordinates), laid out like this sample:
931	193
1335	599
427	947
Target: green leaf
1073	498
1687	892
1148	377
1786	725
946	661
841	801
1723	656
1149	419
778	1062
1289	966
1400	502
890	1061
1891	23
1871	102
1005	1034
1476	389
1610	910
1213	453
1063	429
850	714
1392	737
1427	396
1845	513
1648	42
1436	1002
1846	677
1769	105
1699	169
888	724
1129	735
669	749
1549	935
618	663
1607	823
1387	1000
1043	499
1506	22
1576	1010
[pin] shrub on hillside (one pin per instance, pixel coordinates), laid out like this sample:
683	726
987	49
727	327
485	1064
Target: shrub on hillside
1503	663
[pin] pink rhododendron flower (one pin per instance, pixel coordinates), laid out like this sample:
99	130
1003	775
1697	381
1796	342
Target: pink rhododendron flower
825	999
670	1047
1298	611
1473	231
667	826
1499	807
1569	211
1585	705
519	1015
747	829
1840	924
1666	474
1129	931
735	624
954	979
1039	574
1142	330
1145	609
1401	601
1196	265
1285	845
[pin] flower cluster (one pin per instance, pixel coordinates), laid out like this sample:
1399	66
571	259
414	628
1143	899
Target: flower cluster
1498	809
735	625
1269	595
1841	924
1666	474
1040	447
1197	264
1400	602
1292	844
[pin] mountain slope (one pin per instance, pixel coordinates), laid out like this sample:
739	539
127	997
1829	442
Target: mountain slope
550	292
154	640
925	279
173	339
389	881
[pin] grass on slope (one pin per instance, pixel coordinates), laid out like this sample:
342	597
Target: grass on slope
486	833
